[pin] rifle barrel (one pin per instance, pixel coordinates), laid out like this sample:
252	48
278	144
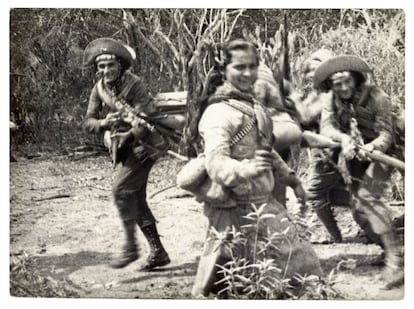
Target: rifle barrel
315	140
383	158
178	156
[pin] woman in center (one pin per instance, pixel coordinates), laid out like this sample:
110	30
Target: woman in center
246	169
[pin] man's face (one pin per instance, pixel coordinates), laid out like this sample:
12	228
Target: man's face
109	70
241	72
308	77
312	68
343	85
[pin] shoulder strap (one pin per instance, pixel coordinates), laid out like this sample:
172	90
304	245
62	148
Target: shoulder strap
105	96
110	98
228	99
242	107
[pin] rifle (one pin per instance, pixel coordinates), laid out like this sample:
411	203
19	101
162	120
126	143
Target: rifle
314	140
284	58
136	118
381	157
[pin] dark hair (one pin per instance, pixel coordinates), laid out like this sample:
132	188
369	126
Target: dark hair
217	77
358	77
238	45
214	79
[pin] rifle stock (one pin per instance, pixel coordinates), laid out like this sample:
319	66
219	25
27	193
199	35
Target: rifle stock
314	140
114	151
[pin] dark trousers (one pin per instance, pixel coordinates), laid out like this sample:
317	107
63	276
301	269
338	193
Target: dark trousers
325	183
129	189
369	183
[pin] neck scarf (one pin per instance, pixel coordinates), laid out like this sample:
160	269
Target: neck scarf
246	103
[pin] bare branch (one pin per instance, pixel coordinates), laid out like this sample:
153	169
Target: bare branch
191	46
239	13
201	23
135	29
169	43
115	15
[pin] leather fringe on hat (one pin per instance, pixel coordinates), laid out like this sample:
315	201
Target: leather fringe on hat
106	46
339	64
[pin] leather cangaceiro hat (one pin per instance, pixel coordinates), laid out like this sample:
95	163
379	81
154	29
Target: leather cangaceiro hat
339	64
107	46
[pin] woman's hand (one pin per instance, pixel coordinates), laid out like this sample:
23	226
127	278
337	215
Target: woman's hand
252	168
261	162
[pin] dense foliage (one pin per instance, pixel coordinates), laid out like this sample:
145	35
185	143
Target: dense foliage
49	89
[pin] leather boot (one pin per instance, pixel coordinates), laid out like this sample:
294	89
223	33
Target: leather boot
158	256
129	252
393	273
326	216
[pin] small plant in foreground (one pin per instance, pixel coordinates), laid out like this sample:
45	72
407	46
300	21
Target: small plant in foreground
26	282
251	274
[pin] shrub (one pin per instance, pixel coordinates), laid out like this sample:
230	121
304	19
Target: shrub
25	281
261	277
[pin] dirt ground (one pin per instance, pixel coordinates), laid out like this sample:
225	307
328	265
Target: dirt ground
62	215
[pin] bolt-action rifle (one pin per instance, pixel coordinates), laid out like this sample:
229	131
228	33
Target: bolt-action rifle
135	118
315	140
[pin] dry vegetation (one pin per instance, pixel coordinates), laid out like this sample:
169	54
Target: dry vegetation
49	89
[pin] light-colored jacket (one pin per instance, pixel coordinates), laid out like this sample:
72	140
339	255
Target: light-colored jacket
224	164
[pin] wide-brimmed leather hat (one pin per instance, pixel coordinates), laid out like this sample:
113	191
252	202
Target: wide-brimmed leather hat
339	64
107	46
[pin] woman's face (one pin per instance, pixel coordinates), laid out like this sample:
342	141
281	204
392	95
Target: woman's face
109	70
343	85
241	72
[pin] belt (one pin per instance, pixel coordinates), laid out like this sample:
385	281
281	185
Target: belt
248	200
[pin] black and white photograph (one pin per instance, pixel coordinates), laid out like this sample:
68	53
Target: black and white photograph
207	153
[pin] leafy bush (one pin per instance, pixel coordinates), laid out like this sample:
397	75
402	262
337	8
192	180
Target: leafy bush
261	277
26	282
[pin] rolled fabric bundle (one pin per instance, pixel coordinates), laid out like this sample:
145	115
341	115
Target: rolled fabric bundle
192	174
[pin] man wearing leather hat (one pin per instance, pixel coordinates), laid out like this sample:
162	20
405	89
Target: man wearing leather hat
118	91
359	114
310	111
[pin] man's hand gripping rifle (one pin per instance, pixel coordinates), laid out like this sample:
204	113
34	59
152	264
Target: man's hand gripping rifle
314	140
116	138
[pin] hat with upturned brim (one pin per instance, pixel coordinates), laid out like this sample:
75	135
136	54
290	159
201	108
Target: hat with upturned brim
339	64
103	46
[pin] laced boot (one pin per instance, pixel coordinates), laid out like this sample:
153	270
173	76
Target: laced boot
129	252
158	256
326	216
393	273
